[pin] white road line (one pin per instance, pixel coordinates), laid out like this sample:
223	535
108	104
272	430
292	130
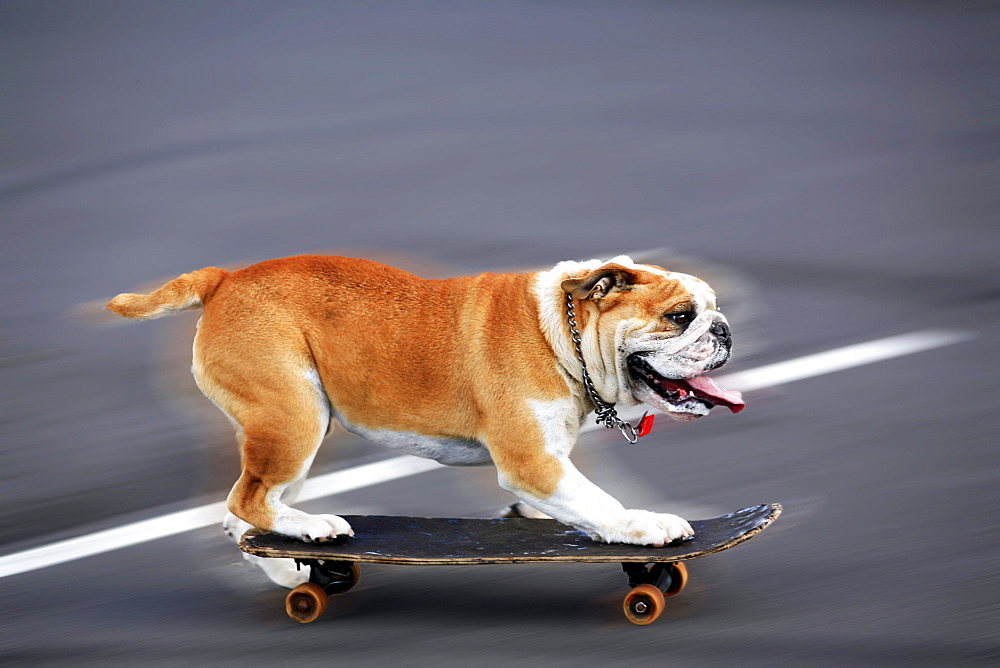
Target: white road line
385	470
843	358
202	516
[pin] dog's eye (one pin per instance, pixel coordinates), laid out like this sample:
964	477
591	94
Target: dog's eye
680	319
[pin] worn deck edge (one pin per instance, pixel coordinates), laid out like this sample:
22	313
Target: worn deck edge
646	558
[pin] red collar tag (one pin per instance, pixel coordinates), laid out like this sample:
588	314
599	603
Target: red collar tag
645	425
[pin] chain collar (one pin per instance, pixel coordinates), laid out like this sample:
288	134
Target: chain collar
606	413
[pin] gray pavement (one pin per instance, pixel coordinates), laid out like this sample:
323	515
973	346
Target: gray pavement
831	165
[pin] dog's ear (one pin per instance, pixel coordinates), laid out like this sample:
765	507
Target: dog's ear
600	282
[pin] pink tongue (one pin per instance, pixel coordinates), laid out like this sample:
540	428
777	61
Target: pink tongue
705	387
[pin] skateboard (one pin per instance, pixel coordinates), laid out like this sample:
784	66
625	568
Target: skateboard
654	573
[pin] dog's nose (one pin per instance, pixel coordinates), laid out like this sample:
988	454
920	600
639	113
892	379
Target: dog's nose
721	331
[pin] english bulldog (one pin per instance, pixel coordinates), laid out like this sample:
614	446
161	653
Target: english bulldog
498	369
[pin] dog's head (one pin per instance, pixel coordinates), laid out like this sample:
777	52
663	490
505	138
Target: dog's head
650	336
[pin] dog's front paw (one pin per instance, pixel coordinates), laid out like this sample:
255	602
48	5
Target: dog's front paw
641	527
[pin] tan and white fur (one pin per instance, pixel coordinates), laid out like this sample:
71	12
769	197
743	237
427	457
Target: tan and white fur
467	371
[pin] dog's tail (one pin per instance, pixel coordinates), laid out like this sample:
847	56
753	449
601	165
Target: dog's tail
184	292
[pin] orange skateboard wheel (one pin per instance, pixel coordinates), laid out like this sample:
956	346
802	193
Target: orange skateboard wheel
306	602
355	577
678	578
644	604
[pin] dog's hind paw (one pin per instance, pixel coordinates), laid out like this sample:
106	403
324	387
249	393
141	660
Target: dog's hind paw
338	526
313	528
282	572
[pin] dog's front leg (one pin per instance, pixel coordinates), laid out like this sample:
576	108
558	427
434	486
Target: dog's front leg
533	464
580	503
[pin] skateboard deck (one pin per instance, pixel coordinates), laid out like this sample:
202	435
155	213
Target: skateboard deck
424	541
430	541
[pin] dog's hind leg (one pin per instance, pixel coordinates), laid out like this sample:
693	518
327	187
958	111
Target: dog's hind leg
280	421
283	572
281	416
279	440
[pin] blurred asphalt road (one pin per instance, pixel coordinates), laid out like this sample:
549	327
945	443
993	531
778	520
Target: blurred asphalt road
832	166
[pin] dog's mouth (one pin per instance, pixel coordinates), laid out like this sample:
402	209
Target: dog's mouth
686	396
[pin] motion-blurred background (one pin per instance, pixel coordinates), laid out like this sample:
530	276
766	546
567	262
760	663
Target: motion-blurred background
831	167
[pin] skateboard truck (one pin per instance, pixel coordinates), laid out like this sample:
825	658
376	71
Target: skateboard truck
665	576
335	577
